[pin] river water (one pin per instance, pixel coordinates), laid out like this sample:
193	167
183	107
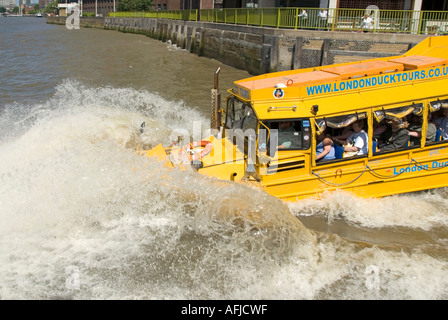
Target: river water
84	217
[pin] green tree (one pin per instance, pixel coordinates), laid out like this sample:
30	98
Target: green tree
134	5
34	10
51	7
2	9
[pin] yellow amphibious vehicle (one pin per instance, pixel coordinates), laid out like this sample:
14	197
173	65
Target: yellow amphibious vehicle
384	121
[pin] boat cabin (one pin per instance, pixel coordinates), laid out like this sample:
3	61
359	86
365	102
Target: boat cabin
404	93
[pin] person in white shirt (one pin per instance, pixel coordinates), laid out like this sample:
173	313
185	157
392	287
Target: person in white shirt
356	143
367	23
323	14
303	16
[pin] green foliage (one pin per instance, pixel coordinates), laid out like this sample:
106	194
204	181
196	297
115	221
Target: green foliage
134	5
34	10
51	7
2	9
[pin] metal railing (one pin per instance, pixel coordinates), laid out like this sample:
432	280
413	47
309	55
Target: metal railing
188	15
349	20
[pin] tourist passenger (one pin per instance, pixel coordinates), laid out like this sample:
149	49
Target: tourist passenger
357	142
325	148
286	135
378	129
397	137
415	131
442	124
345	133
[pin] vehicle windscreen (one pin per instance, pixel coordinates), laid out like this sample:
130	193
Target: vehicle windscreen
288	134
240	115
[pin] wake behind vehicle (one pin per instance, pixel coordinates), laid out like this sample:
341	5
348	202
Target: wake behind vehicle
248	144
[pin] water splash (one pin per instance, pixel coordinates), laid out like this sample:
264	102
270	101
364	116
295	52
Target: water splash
75	193
85	217
424	210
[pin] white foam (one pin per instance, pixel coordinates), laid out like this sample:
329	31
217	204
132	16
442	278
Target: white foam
423	210
85	217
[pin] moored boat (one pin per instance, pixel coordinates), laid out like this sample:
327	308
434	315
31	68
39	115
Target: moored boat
406	96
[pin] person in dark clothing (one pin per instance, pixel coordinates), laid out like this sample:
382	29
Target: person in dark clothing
397	137
415	131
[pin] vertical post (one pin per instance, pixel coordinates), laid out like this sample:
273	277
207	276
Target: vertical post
251	155
215	120
420	21
335	18
296	18
297	63
376	20
325	52
265	63
278	18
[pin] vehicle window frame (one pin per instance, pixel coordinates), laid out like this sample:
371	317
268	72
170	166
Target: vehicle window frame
238	135
305	134
346	119
436	106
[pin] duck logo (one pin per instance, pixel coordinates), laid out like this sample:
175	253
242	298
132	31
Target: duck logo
278	93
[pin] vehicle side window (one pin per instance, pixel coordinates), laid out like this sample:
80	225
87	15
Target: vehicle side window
397	135
241	123
439	117
289	134
235	113
416	130
340	137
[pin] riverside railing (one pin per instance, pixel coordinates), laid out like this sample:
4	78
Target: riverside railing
188	15
351	20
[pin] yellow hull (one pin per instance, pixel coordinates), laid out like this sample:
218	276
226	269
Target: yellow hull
404	172
379	177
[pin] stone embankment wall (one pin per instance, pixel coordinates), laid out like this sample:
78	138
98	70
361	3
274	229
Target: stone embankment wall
259	50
